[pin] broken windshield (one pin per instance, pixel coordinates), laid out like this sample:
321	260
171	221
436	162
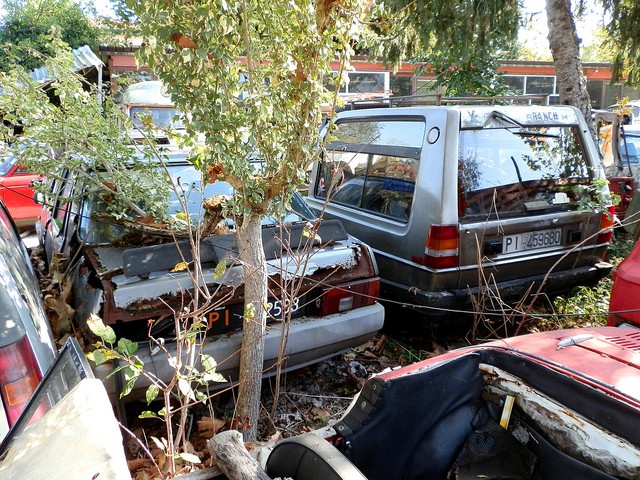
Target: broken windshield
518	169
96	228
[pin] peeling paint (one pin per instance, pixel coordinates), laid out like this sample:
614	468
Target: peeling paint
569	431
128	298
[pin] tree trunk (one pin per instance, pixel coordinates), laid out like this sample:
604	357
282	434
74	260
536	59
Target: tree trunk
565	48
232	457
249	237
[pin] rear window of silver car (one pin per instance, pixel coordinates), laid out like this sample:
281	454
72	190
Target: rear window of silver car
514	171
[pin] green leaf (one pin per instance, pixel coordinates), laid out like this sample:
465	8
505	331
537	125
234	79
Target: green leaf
130	376
160	443
209	365
185	389
152	393
221	267
249	312
214	377
188	457
150	414
101	355
99	329
127	347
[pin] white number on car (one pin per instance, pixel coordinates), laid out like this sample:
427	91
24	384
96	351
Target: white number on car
274	308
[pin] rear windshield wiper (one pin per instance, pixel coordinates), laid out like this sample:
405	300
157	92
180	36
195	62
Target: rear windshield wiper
506	118
529	133
524	132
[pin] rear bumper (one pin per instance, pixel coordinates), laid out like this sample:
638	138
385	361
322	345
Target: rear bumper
311	340
438	302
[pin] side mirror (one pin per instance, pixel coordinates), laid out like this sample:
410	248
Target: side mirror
38	197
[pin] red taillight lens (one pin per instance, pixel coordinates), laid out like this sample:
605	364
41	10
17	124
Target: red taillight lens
19	377
348	296
442	247
606	226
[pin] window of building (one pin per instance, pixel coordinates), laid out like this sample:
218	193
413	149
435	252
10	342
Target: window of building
362	82
515	82
613	94
595	89
427	86
633	93
400	86
540	84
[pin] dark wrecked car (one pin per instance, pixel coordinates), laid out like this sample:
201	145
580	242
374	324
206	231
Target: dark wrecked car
547	406
122	272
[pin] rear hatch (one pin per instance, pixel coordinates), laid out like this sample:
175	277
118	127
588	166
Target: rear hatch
529	197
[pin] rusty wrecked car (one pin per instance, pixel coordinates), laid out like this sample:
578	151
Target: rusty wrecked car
555	405
124	272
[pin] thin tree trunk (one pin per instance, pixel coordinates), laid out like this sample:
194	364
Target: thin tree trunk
565	48
233	459
249	237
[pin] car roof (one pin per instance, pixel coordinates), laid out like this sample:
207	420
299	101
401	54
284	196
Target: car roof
477	116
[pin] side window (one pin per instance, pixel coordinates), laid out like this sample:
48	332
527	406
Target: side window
373	166
8	228
58	196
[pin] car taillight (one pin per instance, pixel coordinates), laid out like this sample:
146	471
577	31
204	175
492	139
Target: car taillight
19	377
441	250
347	296
606	225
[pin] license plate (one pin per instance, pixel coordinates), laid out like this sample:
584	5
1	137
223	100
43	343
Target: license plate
532	240
228	318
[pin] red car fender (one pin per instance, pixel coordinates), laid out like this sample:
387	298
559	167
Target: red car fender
624	305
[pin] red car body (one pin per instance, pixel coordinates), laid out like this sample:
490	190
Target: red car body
16	190
624	305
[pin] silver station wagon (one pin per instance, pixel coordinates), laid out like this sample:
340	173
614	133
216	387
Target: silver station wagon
456	200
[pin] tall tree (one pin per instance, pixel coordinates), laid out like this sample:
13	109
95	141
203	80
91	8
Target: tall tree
462	40
25	30
565	48
265	106
458	41
624	38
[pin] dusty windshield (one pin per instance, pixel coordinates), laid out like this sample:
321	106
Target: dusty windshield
521	170
162	117
97	228
630	148
7	163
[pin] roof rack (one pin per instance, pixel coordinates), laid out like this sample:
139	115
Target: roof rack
439	99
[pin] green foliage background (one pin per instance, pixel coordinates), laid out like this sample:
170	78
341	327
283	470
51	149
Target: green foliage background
26	30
